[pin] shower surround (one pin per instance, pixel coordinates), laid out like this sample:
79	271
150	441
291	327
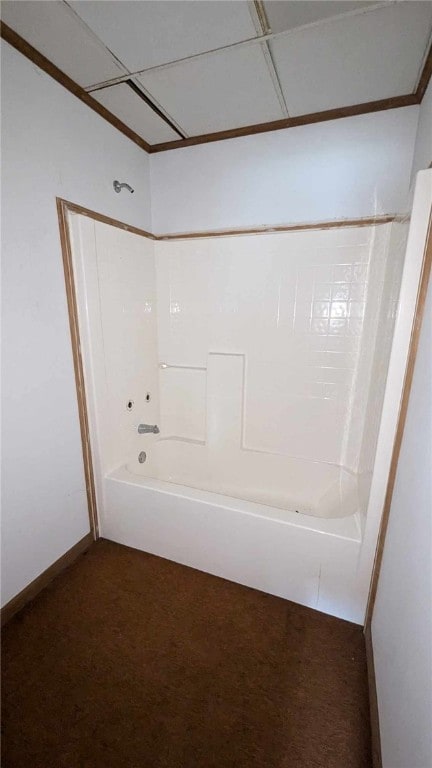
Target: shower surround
263	360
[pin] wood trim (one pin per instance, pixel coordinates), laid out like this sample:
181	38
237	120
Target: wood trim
373	701
335	224
291	122
47	66
424	77
74	208
37	585
62	210
409	373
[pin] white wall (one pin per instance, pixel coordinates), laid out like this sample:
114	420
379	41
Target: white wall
423	144
52	144
349	168
402	619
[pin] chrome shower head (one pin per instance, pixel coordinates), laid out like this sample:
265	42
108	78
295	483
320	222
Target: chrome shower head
118	186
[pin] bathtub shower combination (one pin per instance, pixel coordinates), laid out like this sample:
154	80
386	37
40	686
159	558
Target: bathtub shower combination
235	386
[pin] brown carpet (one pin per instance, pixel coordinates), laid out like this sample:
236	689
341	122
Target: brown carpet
130	660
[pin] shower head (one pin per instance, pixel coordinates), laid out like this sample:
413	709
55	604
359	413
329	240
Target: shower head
118	186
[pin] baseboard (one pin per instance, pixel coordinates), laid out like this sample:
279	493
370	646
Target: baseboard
31	590
373	700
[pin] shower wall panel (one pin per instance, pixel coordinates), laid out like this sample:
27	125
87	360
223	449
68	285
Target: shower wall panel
115	273
273	343
391	282
368	343
293	305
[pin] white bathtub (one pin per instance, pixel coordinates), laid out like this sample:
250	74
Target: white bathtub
297	485
308	558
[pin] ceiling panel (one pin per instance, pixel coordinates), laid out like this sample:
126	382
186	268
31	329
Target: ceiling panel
146	34
285	14
54	30
355	59
218	91
123	102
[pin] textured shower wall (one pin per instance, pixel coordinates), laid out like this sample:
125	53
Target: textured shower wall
294	305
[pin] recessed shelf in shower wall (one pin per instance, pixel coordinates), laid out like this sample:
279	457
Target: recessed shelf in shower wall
224	402
182	401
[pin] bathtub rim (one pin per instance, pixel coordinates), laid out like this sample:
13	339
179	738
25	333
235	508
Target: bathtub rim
348	527
341	474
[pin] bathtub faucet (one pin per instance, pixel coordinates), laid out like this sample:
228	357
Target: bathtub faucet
143	429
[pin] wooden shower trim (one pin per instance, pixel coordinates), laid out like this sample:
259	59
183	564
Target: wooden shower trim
395	102
403	409
62	211
73	208
333	224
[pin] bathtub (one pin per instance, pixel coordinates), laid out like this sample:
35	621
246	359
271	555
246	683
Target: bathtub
285	526
307	487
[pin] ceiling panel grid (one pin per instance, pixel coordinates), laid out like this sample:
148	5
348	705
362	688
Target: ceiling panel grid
147	34
217	91
122	101
174	69
353	60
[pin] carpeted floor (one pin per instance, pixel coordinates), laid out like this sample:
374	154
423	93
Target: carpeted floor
128	660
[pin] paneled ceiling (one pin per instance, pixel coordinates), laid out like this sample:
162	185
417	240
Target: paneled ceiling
176	69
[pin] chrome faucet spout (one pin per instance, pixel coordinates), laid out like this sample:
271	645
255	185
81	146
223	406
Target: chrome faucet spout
144	429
